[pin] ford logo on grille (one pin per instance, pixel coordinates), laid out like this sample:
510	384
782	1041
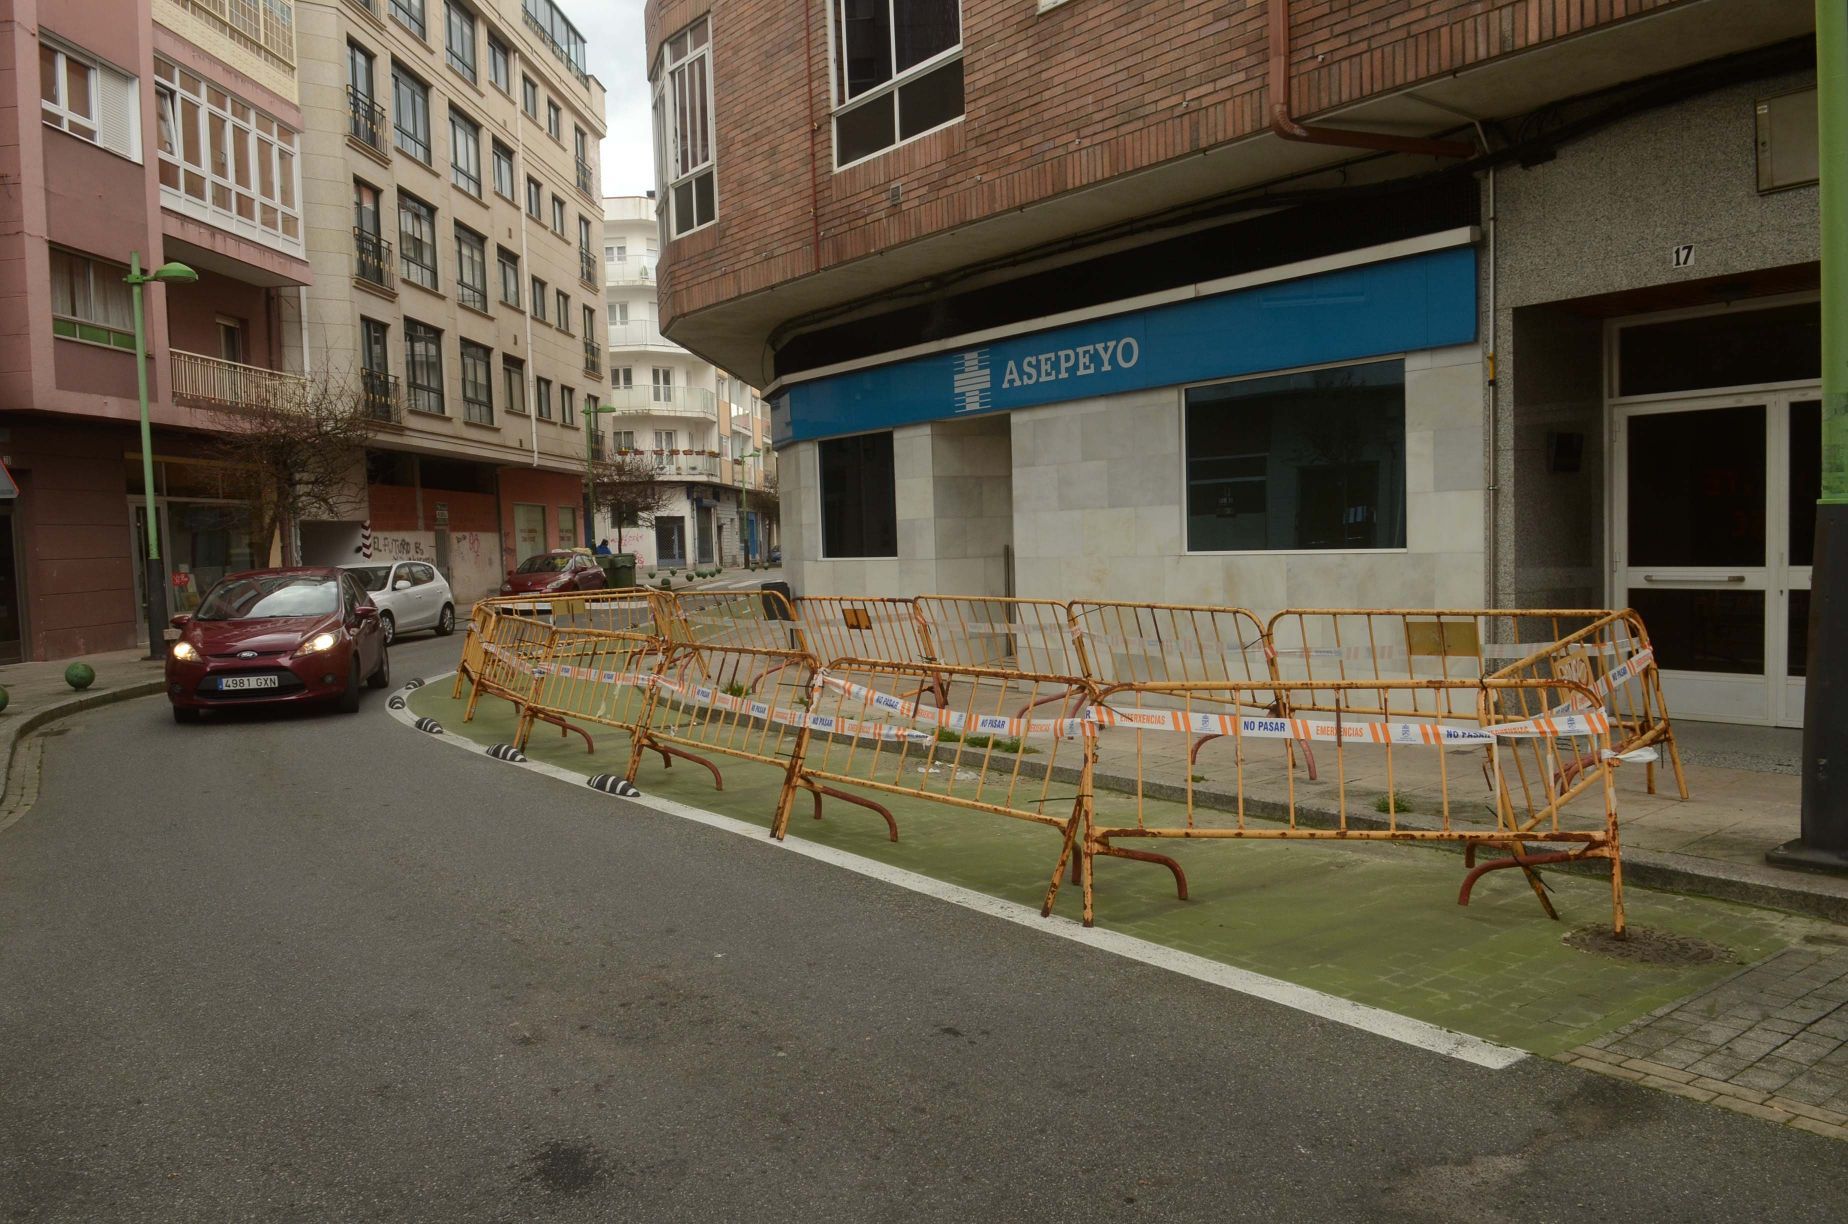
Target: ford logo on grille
246	654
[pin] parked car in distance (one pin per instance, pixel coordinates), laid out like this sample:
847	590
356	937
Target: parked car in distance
277	636
562	569
776	554
410	595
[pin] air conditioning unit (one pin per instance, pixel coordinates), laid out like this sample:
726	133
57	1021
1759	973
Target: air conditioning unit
1787	140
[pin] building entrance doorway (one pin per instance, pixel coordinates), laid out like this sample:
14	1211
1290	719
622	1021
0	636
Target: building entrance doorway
1714	528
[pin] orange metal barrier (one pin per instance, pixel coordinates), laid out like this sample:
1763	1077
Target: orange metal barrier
757	620
1027	635
511	648
851	627
473	635
591	677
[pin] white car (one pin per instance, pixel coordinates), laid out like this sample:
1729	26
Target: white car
410	595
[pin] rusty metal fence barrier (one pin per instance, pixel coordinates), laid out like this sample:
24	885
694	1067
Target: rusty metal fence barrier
511	649
1523	795
855	627
758	620
591	677
480	619
969	750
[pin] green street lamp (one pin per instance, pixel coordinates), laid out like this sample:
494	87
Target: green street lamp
591	413
173	274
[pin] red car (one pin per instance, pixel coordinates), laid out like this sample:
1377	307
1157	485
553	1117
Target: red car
562	569
277	636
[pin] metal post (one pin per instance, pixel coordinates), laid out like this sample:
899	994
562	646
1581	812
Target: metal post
1823	845
590	478
155	573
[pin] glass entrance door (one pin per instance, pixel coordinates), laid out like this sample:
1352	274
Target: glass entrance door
1715	506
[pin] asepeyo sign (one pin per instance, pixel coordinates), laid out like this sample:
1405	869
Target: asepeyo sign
1401	305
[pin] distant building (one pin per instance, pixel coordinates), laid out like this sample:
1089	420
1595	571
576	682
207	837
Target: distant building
1430	304
706	433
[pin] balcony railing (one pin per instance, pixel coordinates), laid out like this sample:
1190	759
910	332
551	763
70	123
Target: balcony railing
373	257
587	268
684	464
264	27
596	444
379	393
593	357
586	183
629	270
663	401
198	379
366	120
639	335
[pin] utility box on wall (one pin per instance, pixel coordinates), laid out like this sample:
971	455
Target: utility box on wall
1787	141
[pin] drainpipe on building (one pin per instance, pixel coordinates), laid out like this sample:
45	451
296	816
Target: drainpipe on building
1286	125
526	270
1823	843
1492	485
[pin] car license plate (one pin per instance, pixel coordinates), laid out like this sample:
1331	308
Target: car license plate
230	683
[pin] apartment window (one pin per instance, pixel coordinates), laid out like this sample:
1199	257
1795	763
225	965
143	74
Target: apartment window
584	247
590	322
683	129
509	277
539	299
417	240
410	99
465	153
542	398
223	161
503	170
471	268
90	302
423	367
499	70
567	406
535	198
459	38
667	439
622	439
477	383
513	384
1298	461
623	377
529	97
663	385
859	508
409	14
561	310
365	118
372	350
898	72
619	313
89	99
613	251
558	216
554	120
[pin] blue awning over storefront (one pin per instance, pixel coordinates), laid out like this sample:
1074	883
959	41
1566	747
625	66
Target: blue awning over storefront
1401	305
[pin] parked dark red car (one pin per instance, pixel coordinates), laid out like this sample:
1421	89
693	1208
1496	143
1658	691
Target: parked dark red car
277	636
562	569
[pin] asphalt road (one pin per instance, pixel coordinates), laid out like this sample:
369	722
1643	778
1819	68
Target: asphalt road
323	968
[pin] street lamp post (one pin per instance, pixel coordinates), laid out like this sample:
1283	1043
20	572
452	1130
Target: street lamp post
173	273
1823	843
591	413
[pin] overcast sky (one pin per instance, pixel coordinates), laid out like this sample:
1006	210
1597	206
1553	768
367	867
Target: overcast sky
612	31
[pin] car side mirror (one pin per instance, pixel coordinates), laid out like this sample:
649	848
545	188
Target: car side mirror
403	584
366	612
181	620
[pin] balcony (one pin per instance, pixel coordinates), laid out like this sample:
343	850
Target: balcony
586	183
366	120
379	393
587	268
684	464
640	334
593	357
211	383
597	452
629	270
372	255
662	401
263	27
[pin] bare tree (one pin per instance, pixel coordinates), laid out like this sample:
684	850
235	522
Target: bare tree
629	490
294	450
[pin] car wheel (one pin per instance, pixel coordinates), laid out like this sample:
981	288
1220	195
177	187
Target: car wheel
381	676
349	700
446	621
185	715
388	628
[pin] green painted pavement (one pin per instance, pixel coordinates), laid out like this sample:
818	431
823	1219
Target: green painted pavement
1377	923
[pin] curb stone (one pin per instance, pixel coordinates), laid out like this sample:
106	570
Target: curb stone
12	733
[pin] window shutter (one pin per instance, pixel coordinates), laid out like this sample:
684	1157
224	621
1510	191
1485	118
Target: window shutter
119	118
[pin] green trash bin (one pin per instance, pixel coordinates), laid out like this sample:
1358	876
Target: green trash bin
618	570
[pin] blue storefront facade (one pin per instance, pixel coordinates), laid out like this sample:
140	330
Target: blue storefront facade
1282	438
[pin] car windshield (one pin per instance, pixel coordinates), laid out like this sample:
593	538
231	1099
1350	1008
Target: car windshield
545	563
271	595
371	577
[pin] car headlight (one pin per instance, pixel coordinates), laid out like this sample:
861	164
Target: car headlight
316	644
184	651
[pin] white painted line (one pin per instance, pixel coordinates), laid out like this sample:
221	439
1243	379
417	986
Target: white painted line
1375	1020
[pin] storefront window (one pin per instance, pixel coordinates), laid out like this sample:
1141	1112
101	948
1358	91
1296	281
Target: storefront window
1314	460
859	510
